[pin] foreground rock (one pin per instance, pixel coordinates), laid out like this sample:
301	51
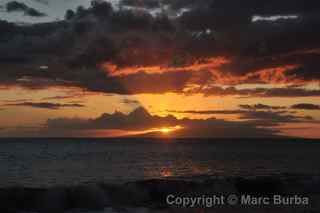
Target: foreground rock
151	195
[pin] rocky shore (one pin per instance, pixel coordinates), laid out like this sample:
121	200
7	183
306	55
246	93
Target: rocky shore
152	195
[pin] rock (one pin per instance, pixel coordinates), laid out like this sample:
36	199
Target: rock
89	197
139	194
312	185
260	186
6	205
130	194
219	187
19	199
53	201
302	185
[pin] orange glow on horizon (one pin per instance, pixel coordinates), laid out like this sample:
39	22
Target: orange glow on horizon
163	130
167	130
124	133
166	172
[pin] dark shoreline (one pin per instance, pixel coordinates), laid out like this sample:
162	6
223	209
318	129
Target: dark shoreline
151	193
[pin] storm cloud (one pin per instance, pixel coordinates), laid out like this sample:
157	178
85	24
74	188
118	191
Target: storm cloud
277	117
15	6
261	107
293	92
76	51
45	105
306	106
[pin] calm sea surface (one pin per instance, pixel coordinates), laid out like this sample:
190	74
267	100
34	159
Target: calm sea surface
43	162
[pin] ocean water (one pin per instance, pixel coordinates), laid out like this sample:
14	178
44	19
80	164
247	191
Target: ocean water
48	162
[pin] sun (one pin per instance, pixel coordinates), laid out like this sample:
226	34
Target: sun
165	130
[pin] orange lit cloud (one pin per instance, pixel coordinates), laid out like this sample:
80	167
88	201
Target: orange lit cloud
210	64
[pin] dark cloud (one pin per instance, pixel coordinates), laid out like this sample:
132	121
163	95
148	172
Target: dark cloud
130	101
74	50
257	92
270	7
7	28
289	92
151	4
172	4
207	112
34	13
308	71
61	97
306	106
45	2
274	117
261	118
140	119
204	18
15	6
250	6
263	45
45	105
261	107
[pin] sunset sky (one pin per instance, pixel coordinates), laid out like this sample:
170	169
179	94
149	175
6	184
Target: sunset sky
160	68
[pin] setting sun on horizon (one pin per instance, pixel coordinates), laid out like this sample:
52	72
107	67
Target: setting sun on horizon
104	72
167	130
159	105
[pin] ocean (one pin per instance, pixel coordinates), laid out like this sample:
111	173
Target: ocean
51	162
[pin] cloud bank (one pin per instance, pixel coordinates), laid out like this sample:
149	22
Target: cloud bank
101	49
142	124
